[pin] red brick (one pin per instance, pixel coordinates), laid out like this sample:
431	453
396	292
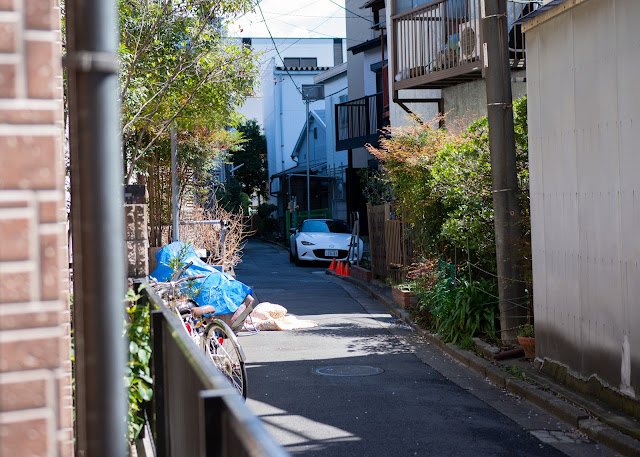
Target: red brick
48	211
39	14
8	31
65	412
7	80
14	203
28	162
28	116
28	437
16	287
65	448
14	239
29	354
22	320
65	443
7	5
41	69
49	267
23	395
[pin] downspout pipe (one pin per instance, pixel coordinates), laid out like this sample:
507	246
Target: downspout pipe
97	198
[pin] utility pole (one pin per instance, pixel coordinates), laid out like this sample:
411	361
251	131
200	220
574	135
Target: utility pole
174	183
503	167
308	172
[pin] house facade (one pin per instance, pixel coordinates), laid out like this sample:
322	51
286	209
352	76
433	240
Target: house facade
584	104
436	59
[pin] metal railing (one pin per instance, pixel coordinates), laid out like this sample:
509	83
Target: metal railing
194	410
440	44
358	122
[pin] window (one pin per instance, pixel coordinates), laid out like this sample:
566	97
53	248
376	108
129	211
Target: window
308	62
331	225
315	133
293	62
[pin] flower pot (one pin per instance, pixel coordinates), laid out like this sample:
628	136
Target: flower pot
528	343
360	273
403	298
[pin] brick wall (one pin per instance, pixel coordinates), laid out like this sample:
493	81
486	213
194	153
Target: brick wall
35	367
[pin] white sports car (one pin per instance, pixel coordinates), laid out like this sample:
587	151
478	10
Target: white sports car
322	239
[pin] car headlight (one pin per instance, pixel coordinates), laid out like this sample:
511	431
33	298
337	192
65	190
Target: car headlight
306	243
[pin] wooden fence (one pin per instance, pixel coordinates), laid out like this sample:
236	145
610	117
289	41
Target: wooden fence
391	244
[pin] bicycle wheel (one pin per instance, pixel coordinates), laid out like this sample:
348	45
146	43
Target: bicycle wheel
222	348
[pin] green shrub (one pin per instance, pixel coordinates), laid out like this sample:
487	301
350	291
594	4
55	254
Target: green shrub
467	309
137	375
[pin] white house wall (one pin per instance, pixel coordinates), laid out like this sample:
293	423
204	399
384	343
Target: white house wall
321	48
584	109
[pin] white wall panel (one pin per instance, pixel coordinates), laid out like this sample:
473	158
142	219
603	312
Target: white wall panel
582	78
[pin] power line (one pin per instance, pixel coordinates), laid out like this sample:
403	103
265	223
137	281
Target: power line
361	17
276	48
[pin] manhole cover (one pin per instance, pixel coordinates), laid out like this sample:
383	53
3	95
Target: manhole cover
349	370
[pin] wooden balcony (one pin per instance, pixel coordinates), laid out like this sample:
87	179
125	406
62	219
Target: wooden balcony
440	44
358	122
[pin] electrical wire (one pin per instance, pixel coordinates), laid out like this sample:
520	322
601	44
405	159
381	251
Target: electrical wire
276	48
361	17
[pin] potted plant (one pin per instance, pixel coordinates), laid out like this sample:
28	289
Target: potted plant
526	339
361	272
403	296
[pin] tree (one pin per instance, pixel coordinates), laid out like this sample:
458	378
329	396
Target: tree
252	156
178	66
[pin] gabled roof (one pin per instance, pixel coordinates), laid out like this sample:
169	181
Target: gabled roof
319	116
330	73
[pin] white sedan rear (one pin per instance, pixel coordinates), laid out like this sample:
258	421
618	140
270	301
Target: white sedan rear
322	240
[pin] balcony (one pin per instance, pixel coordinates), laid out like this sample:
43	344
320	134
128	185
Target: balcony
358	122
439	44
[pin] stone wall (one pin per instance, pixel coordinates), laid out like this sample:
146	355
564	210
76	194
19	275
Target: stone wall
137	240
36	415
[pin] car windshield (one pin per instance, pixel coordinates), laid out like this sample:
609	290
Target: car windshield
333	226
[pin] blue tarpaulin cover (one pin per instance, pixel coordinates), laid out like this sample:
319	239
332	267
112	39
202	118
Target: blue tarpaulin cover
218	289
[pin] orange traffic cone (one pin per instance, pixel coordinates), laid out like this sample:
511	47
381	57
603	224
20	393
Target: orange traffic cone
339	269
346	271
332	267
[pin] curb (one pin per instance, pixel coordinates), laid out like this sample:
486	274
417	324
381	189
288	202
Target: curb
545	398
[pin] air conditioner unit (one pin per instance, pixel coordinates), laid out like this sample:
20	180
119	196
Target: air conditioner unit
469	36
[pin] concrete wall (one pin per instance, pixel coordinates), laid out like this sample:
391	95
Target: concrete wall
36	403
584	108
469	101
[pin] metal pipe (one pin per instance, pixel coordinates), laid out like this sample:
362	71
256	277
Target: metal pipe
98	227
174	184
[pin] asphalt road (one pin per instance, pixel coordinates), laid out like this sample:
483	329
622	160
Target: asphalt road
413	401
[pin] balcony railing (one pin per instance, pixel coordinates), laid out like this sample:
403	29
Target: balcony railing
194	410
358	122
440	44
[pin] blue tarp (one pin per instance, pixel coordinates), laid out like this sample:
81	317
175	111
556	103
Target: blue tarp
218	289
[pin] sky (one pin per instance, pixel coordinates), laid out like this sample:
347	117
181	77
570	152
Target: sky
293	19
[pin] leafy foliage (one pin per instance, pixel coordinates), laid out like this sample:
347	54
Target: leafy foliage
441	180
177	65
253	175
138	379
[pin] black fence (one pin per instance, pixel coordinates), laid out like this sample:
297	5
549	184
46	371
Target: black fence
358	122
195	411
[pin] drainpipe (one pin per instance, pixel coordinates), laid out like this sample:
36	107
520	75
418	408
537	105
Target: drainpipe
98	227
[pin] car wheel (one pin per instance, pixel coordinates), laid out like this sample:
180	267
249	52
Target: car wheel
291	257
297	260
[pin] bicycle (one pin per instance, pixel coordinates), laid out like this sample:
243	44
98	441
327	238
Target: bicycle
212	334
